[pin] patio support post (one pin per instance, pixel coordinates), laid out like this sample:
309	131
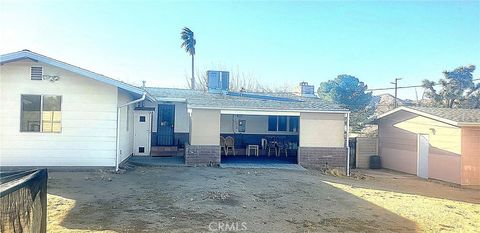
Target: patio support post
204	147
347	139
322	140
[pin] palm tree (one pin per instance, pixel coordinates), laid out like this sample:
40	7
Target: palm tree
189	45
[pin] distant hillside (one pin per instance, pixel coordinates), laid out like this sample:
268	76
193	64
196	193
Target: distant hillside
386	102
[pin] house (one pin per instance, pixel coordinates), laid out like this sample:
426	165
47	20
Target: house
436	143
56	114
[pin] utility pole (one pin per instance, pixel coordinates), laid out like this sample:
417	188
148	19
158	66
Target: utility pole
396	89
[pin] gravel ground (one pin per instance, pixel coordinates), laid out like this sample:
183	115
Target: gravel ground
186	199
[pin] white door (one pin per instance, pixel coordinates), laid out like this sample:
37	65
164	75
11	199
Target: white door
422	156
142	132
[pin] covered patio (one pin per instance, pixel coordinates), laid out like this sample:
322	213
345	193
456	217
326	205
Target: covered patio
259	138
305	137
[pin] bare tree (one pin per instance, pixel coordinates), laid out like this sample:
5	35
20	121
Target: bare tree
239	81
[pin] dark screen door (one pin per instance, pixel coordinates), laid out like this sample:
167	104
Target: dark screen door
165	124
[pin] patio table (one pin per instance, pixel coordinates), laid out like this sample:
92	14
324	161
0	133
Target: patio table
254	148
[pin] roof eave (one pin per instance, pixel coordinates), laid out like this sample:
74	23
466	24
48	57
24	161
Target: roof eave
268	109
468	124
441	119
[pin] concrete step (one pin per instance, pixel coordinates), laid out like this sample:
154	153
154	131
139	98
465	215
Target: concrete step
164	151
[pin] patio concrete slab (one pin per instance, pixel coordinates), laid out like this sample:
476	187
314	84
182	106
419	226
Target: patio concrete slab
287	166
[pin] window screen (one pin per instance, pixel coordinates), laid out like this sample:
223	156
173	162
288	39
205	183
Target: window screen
51	114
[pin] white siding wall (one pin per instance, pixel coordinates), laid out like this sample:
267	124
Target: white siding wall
254	125
88	120
126	126
182	118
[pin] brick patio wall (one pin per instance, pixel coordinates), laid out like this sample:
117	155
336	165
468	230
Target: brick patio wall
202	155
319	157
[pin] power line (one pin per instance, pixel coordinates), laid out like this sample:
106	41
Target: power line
393	88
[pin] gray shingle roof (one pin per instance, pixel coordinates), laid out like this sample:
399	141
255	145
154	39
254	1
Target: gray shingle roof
260	101
457	115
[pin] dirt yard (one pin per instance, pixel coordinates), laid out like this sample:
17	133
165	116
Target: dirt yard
187	199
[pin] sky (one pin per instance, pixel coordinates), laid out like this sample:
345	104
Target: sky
277	43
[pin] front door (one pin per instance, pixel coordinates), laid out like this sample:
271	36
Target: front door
165	124
422	156
142	132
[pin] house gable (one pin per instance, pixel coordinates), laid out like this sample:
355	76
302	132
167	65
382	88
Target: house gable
26	55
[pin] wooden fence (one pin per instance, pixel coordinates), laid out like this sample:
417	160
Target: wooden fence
366	146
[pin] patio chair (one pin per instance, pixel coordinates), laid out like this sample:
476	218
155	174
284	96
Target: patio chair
272	145
229	145
222	145
264	143
282	145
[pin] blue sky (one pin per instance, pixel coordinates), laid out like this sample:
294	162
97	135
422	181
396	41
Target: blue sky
276	42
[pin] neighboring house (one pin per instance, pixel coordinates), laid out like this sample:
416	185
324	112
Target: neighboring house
56	114
437	143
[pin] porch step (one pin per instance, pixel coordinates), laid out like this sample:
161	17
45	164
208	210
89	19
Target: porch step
164	151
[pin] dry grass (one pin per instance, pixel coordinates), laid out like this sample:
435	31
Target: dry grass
431	214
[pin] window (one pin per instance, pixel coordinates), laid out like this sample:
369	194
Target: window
277	123
41	113
31	113
272	123
282	123
142	118
293	124
36	73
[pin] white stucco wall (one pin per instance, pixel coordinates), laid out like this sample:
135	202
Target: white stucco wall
254	125
88	136
322	130
182	118
205	127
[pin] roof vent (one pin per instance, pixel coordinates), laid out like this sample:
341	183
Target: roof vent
306	90
218	81
36	73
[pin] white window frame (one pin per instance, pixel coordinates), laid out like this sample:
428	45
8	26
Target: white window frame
41	113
